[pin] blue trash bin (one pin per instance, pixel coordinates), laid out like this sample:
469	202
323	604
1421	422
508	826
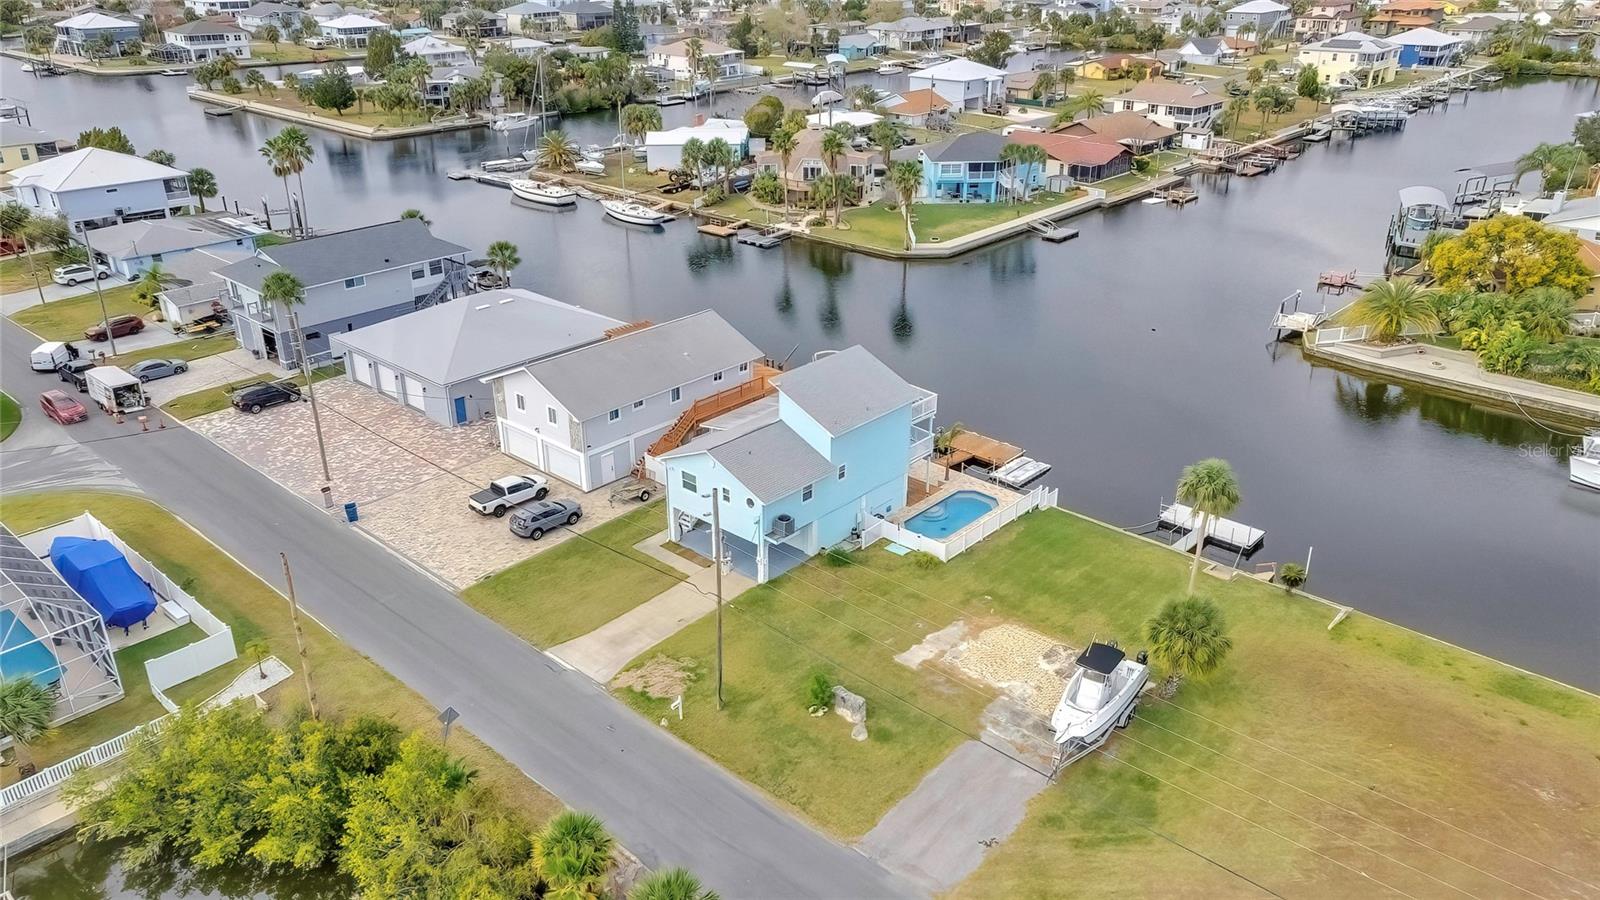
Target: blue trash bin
350	512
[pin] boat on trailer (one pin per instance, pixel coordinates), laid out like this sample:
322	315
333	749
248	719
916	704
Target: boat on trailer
634	213
1584	464
1020	471
1100	695
543	194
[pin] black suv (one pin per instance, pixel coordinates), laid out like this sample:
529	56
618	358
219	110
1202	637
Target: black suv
253	398
72	372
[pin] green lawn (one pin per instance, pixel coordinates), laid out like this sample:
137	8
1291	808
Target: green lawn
14	274
347	682
286	52
574	588
1249	125
188	348
982	122
10	415
65	320
1491	750
879	226
213	399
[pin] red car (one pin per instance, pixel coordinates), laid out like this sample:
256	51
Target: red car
62	408
121	326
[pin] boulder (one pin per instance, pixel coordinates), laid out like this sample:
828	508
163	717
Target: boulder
853	707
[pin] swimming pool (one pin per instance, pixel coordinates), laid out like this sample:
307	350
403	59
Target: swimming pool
951	514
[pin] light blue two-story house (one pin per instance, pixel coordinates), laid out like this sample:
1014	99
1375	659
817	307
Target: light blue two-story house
967	169
801	471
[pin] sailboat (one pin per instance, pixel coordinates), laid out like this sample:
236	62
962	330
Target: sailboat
543	194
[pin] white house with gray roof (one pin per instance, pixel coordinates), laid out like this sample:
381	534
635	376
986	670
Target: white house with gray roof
133	247
352	279
204	39
588	415
435	359
798	472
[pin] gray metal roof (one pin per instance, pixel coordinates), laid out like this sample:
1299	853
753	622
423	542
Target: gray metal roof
984	146
847	389
772	461
478	334
205	26
12	134
148	236
343	254
593	380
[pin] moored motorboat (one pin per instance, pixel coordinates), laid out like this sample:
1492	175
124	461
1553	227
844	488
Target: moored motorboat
634	213
511	121
1020	471
542	193
174	73
1100	695
1584	464
890	68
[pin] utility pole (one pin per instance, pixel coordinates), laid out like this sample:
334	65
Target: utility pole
299	637
94	272
716	563
311	393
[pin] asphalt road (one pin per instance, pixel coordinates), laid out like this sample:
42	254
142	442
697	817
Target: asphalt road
664	801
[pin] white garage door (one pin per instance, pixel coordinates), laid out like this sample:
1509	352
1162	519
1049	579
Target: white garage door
388	382
360	369
523	446
414	395
564	464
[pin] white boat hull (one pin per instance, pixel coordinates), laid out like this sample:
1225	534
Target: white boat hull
1584	465
633	214
1076	726
545	197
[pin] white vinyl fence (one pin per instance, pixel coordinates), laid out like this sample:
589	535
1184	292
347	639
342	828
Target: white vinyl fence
215	649
99	754
964	539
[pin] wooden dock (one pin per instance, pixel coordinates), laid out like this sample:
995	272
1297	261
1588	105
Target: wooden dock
972	447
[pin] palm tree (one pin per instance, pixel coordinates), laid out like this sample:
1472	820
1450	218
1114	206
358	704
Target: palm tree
202	184
25	711
1546	312
1389	308
416	214
1010	156
1210	489
152	282
834	145
1032	155
272	150
638	119
297	153
1189	637
783	142
503	258
1554	162
573	853
672	884
256	80
693	50
906	176
720	157
1043	85
557	151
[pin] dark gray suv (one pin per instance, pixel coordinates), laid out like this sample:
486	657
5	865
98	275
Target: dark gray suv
532	520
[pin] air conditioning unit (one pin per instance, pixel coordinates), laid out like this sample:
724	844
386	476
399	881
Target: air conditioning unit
783	525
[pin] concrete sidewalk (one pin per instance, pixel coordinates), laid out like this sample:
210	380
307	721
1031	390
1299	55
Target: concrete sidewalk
16	301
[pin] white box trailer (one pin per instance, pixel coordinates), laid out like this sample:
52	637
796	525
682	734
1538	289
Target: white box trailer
114	390
48	355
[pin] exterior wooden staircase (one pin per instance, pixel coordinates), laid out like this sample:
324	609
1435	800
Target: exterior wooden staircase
709	407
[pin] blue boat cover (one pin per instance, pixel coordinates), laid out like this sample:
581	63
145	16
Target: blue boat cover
99	572
24	656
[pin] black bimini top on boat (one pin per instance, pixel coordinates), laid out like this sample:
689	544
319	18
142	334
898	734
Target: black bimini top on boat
1102	658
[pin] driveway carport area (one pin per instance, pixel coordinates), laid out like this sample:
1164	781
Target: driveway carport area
408	476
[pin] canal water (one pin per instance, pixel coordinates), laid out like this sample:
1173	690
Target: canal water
68	870
1118	357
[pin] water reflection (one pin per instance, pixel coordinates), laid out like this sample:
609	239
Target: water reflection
900	324
68	870
710	253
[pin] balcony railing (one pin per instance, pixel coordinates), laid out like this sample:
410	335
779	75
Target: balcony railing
920	447
925	406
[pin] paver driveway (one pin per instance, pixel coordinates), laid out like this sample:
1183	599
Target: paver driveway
408	476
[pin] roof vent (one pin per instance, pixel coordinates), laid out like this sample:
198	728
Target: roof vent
507	299
481	306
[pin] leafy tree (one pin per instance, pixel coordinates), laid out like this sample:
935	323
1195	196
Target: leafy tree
418	215
1309	85
764	116
767	188
1189	637
1504	348
26	708
203	185
333	90
885	135
106	139
742	35
671	884
383	47
13	13
231	85
1390	307
625	37
1586	134
503	258
557	152
906	176
1509	253
39	39
1211	490
993	50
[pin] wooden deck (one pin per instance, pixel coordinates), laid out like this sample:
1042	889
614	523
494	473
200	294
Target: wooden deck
970	447
709	407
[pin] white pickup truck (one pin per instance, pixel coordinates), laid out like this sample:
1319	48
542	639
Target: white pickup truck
504	493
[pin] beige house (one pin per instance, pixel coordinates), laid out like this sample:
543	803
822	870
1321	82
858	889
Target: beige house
1352	58
807	163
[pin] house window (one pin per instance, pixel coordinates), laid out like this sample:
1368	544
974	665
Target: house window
155	257
25	156
805	494
419	272
436	267
716	376
841	473
750	502
744	367
1127	104
810	170
550	413
726	496
638	404
677	394
355	282
950	170
689	484
312	335
614	415
521	403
